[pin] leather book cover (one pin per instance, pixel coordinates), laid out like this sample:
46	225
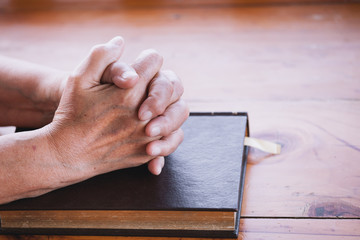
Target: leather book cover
206	173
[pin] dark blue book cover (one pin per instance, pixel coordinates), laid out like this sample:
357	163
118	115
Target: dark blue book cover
198	193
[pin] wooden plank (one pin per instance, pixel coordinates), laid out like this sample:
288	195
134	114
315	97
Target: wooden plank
222	54
299	229
56	5
293	68
318	229
317	173
301	58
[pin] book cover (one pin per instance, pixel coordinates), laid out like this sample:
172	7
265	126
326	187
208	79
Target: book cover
198	193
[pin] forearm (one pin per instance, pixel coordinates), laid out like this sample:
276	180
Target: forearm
29	93
97	128
28	166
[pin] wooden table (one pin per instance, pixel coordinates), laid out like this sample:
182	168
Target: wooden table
295	68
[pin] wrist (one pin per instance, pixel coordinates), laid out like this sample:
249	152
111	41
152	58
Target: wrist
60	177
51	88
48	93
65	156
29	167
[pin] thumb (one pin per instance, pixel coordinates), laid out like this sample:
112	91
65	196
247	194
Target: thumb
120	74
91	69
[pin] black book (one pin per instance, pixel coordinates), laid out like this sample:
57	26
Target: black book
198	193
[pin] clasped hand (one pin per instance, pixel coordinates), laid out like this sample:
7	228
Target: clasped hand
112	115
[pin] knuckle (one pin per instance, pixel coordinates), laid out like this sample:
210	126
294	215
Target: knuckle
169	148
74	77
118	68
158	107
104	52
98	49
174	80
167	126
184	108
167	87
171	75
180	88
176	138
181	135
159	98
161	85
154	55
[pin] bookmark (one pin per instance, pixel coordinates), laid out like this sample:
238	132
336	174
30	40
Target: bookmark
262	145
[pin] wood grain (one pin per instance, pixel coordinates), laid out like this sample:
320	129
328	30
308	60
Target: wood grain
168	220
56	5
294	68
318	229
221	54
316	175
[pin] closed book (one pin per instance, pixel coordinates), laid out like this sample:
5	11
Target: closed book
198	193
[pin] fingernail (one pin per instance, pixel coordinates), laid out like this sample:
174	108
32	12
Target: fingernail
155	131
146	116
158	170
155	151
129	75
